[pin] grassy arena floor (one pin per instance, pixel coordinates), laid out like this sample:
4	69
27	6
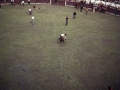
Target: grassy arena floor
31	57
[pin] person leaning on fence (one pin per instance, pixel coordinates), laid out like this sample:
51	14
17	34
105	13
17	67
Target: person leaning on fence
12	1
0	6
22	3
74	15
28	2
115	10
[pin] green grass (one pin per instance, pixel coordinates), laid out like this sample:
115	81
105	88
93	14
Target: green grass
31	57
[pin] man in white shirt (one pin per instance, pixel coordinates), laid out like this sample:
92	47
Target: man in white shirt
63	35
22	3
32	21
30	11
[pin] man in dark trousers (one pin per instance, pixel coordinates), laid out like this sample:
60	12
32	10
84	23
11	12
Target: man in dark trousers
81	8
66	20
74	15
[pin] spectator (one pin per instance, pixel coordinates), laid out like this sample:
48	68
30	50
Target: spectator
22	3
94	8
0	6
28	2
74	15
12	1
5	1
115	11
109	88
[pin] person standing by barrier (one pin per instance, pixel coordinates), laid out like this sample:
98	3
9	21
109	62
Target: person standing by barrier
0	6
22	3
28	2
115	10
12	1
66	20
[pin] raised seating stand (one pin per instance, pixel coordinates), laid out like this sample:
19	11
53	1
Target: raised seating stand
110	10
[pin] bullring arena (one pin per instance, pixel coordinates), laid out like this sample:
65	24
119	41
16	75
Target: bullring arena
32	58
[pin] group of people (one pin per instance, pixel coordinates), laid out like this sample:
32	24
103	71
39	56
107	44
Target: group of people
62	36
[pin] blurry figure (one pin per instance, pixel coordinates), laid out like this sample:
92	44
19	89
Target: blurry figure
12	1
0	6
74	15
115	11
62	37
32	21
34	7
66	20
86	10
22	3
30	11
28	2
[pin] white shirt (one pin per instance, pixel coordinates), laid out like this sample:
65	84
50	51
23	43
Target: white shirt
22	2
32	17
30	10
62	34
